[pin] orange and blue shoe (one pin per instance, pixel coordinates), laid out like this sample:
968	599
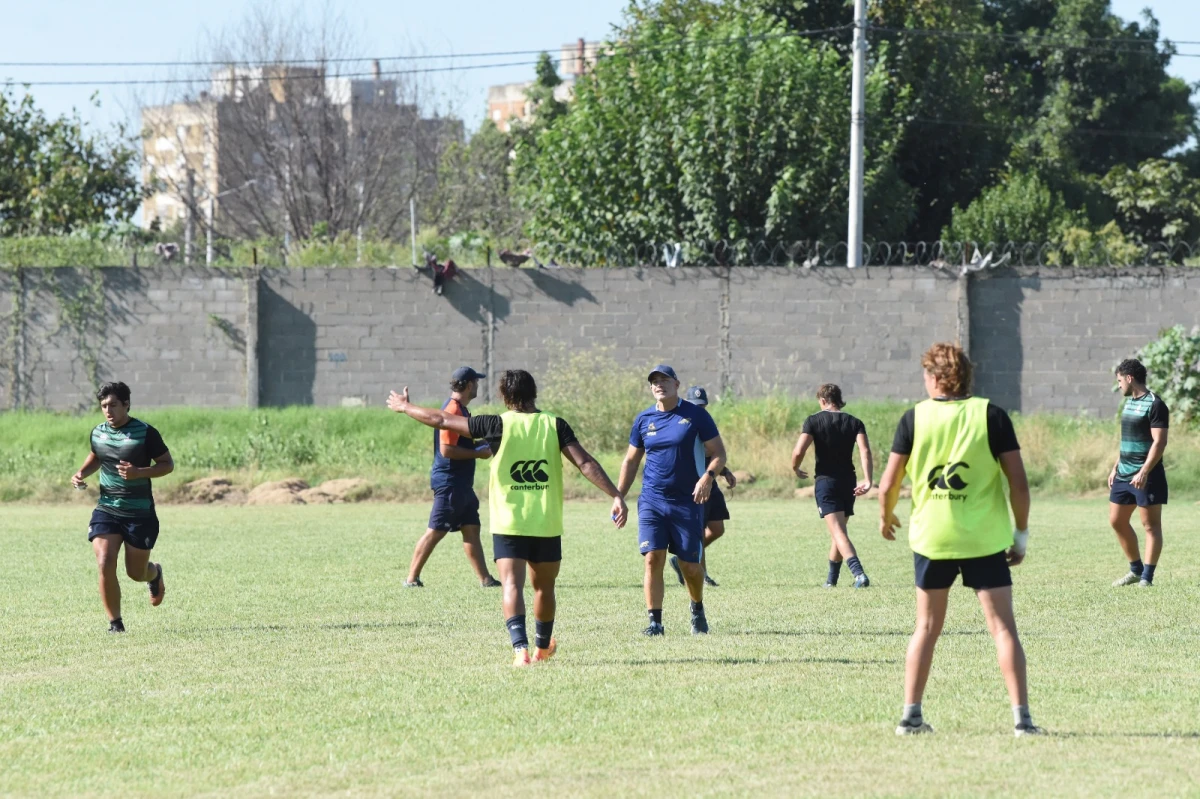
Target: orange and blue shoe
521	657
542	655
158	589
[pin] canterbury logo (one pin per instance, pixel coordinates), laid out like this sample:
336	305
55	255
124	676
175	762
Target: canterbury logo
529	472
946	478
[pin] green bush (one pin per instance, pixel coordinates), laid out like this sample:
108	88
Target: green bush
1172	362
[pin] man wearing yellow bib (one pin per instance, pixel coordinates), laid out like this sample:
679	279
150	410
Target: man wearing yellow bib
525	498
957	451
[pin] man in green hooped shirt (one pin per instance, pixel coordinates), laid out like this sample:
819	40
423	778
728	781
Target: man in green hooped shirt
1138	479
525	499
128	453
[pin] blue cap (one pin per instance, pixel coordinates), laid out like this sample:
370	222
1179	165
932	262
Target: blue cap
463	373
662	369
697	396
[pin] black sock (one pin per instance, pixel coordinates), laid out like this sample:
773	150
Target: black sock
697	608
543	631
835	569
1136	567
655	616
855	567
516	632
1148	572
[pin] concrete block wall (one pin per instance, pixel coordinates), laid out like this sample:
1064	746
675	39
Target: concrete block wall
1042	339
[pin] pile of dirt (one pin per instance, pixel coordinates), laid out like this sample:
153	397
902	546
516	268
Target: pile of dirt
210	490
297	492
279	492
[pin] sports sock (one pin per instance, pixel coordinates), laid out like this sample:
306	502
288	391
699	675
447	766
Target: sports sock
655	615
543	631
1148	572
1021	716
912	713
1136	567
697	608
835	569
855	567
516	632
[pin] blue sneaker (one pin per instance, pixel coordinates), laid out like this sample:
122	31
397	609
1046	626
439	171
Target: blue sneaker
699	624
674	561
654	629
862	581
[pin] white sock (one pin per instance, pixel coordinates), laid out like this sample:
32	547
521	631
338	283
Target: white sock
913	712
1021	716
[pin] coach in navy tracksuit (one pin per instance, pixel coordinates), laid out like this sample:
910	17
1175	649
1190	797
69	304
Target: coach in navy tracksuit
684	454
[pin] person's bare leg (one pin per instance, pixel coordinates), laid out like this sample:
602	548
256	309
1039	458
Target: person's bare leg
138	565
931	615
543	575
693	578
652	581
712	531
512	587
1118	517
107	549
473	547
998	610
839	539
1152	524
425	547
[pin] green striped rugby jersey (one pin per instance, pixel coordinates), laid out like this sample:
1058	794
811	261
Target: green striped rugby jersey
1139	415
137	443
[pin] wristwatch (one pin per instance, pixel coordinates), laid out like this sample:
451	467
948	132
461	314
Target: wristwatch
709	472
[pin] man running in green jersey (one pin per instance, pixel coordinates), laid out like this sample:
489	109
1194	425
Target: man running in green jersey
958	451
1138	479
128	453
525	498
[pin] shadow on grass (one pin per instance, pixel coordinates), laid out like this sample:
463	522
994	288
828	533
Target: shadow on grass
287	628
1170	735
763	661
860	633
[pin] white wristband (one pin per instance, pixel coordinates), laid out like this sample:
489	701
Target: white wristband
1020	541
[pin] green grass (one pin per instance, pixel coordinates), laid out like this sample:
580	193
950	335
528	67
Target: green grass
1064	455
288	660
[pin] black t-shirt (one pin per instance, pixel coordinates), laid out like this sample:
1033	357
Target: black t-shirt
490	427
834	435
1001	435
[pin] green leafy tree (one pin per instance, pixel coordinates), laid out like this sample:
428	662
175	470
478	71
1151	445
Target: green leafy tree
57	176
1157	201
475	191
1022	208
713	128
1173	364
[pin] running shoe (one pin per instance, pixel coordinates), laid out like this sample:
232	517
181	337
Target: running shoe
862	581
699	624
710	581
654	629
674	561
1021	730
1128	579
490	582
830	585
542	655
521	657
116	626
909	727
414	583
1145	584
158	589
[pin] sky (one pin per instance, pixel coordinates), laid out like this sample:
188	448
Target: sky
119	30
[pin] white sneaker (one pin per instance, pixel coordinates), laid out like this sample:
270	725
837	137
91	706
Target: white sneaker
1021	730
908	728
1128	579
1145	584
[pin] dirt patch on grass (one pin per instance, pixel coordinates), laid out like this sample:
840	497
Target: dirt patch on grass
208	491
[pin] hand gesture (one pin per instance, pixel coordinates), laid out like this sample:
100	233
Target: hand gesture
862	488
398	402
730	480
888	526
77	481
620	512
702	490
1013	557
803	475
1138	481
128	471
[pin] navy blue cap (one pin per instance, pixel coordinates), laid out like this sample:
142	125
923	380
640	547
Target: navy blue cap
466	373
697	396
662	369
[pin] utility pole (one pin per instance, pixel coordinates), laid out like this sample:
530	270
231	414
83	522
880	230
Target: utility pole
189	226
858	128
358	234
212	215
412	226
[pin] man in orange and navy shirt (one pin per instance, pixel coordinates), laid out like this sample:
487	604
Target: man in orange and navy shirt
452	478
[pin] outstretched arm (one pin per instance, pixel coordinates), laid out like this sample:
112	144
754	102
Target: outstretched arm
427	416
590	468
805	441
889	494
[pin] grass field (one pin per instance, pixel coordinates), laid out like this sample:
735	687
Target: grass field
287	660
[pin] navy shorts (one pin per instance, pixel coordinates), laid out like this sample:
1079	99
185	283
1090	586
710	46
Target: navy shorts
1155	492
139	533
989	571
835	494
715	510
531	548
674	525
454	509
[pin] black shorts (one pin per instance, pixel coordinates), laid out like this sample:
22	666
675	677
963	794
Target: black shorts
1154	493
835	494
453	509
139	533
989	571
531	548
715	510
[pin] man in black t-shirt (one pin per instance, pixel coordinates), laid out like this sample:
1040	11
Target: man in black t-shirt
834	435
